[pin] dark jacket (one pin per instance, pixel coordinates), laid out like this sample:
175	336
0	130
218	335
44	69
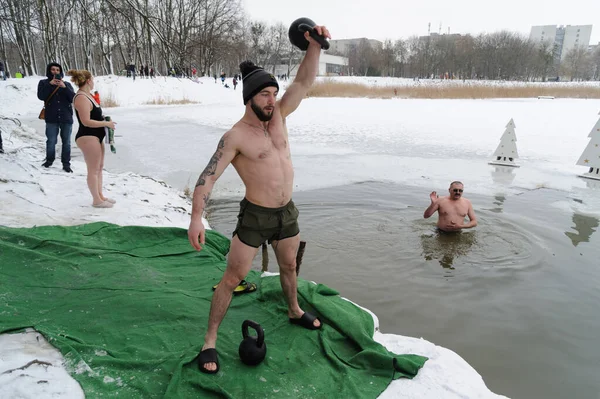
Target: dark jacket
1	66
60	107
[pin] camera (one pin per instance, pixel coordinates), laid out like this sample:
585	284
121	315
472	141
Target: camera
57	77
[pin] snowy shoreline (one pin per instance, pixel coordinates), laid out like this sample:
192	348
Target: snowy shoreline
36	196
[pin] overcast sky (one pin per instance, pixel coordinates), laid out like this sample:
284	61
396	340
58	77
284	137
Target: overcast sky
395	19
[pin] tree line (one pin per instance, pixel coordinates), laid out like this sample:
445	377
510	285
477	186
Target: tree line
498	56
214	36
106	36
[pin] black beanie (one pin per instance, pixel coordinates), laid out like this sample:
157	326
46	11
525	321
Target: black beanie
255	79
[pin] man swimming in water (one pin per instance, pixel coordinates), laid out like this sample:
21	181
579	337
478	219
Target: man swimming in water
452	209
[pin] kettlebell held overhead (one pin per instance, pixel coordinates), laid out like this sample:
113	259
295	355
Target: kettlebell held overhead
296	34
252	349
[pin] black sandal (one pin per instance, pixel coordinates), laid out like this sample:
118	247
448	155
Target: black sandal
307	321
209	355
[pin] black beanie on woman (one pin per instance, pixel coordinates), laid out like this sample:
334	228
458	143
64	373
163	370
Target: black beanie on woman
255	79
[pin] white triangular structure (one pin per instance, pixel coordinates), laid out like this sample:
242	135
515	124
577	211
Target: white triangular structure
590	157
506	153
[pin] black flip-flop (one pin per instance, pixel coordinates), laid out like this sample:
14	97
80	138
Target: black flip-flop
242	288
209	355
307	321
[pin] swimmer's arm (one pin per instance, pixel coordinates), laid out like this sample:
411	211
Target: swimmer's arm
307	72
225	153
472	218
431	209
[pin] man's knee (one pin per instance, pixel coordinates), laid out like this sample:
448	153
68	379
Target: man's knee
236	271
65	132
288	265
231	279
52	131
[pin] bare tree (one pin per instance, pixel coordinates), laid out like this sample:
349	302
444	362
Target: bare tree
362	59
577	63
214	36
542	64
19	22
401	57
387	56
595	63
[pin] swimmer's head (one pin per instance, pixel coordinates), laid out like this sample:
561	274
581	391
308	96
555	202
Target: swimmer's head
456	190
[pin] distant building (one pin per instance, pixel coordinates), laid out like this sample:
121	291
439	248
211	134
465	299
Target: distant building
437	37
562	38
329	65
576	37
543	33
343	46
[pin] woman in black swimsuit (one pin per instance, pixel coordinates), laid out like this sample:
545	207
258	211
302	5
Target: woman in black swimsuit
90	134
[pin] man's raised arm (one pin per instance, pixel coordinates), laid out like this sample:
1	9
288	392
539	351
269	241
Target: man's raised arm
433	207
225	153
307	72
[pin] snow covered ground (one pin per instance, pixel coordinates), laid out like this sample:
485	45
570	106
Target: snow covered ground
403	142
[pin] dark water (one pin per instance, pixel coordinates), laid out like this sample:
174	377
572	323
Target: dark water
517	297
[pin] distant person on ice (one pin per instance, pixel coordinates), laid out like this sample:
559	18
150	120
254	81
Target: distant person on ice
258	147
452	209
90	136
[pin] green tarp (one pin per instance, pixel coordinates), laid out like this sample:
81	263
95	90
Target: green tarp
128	307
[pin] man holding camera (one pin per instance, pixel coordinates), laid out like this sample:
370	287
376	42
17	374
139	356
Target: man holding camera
58	101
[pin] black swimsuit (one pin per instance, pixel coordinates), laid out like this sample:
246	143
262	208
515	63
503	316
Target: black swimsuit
95	115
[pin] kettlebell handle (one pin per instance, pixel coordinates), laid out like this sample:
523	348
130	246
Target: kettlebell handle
313	33
260	339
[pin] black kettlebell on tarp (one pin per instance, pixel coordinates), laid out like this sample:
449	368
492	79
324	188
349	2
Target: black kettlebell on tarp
296	34
252	349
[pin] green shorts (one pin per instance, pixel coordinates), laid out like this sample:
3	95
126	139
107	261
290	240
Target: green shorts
257	224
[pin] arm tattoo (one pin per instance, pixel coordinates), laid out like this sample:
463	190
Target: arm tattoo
211	168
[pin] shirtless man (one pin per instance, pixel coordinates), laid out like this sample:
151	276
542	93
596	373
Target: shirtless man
259	150
452	209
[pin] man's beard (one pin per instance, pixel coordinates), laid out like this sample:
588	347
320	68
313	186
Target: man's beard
259	112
